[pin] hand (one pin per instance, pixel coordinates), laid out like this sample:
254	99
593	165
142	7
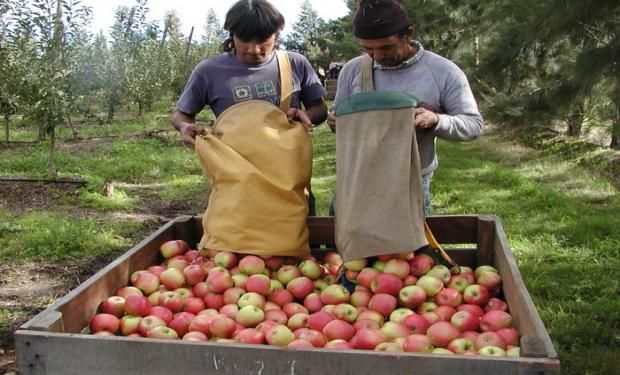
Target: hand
301	116
189	132
424	119
331	120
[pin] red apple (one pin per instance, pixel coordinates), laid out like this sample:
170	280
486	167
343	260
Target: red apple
489	338
213	300
181	322
129	324
287	273
314	337
172	278
193	305
104	322
338	329
281	297
420	264
230	310
222	326
162	332
293	308
382	303
412	296
219	281
195	336
441	333
173	248
416	323
418	343
137	305
171	300
258	283
251	265
475	310
448	297
510	335
398	267
318	320
162	312
368	339
297	321
386	283
251	336
127	291
146	281
277	316
194	274
393	330
335	294
476	294
459	282
149	322
360	298
114	305
495	320
226	259
300	287
495	304
445	312
465	321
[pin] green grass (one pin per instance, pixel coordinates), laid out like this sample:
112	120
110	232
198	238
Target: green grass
560	218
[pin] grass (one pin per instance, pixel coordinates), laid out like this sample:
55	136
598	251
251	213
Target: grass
561	219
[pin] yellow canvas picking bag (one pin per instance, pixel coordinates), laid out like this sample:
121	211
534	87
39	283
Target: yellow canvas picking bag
379	199
258	164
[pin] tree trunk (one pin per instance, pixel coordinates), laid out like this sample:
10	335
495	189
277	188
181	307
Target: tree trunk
6	128
141	112
615	130
74	133
577	116
52	157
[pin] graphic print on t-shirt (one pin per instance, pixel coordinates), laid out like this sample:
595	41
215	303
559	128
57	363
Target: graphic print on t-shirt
267	88
242	93
263	90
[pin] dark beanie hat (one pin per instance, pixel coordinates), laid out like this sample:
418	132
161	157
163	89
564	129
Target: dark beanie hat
375	19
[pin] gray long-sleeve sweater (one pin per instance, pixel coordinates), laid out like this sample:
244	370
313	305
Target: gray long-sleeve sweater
439	84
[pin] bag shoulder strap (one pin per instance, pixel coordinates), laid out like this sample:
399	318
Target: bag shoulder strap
286	80
366	71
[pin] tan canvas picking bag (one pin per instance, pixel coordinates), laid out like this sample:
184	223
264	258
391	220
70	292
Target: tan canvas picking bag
379	199
258	164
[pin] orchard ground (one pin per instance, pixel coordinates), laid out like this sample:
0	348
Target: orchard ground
560	216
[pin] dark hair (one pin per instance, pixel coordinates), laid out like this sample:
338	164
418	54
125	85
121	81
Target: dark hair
251	19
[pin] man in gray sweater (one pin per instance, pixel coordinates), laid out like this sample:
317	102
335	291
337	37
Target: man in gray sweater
447	108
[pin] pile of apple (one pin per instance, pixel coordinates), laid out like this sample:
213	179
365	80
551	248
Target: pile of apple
399	303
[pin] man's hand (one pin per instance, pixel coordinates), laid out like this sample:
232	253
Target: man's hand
301	116
189	132
331	120
425	119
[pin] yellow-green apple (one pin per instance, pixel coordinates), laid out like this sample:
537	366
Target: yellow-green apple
489	338
383	303
394	330
484	268
193	305
171	300
365	276
417	343
258	283
226	259
195	336
420	264
338	344
346	312
146	281
476	294
400	314
398	267
495	304
251	264
208	311
179	262
513	351
379	265
461	345
313	302
300	287
338	329
154	297
127	291
251	298
222	326
510	335
218	282
114	305
492	351
389	347
387	283
491	280
194	274
465	321
351	276
239	280
184	292
279	335
416	323
293	308
426	306
129	324
250	336
297	321
162	312
475	310
280	297
441	272
365	323
431	284
104	322
318	320
448	297
271	306
275	285
356	264
287	273
213	300
172	278
173	248
314	337
335	294
162	332
412	296
277	316
441	351
441	333
459	282
311	269
149	322
368	339
360	297
137	305
495	320
249	316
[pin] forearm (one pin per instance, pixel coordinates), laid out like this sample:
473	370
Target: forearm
180	119
463	127
317	112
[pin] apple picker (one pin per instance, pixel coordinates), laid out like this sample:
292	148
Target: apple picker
379	200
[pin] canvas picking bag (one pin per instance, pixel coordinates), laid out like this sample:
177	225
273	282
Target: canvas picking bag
379	199
258	165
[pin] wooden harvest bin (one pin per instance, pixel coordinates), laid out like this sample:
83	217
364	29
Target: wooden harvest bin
51	342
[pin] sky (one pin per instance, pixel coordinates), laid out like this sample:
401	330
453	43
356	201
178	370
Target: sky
194	12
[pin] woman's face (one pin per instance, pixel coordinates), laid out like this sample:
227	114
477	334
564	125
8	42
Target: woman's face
254	51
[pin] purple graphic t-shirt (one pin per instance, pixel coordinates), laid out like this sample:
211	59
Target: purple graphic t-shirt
224	80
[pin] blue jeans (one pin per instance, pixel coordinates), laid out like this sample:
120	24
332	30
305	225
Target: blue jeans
426	192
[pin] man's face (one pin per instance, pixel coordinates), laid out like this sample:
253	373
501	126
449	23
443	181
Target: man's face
388	51
254	51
